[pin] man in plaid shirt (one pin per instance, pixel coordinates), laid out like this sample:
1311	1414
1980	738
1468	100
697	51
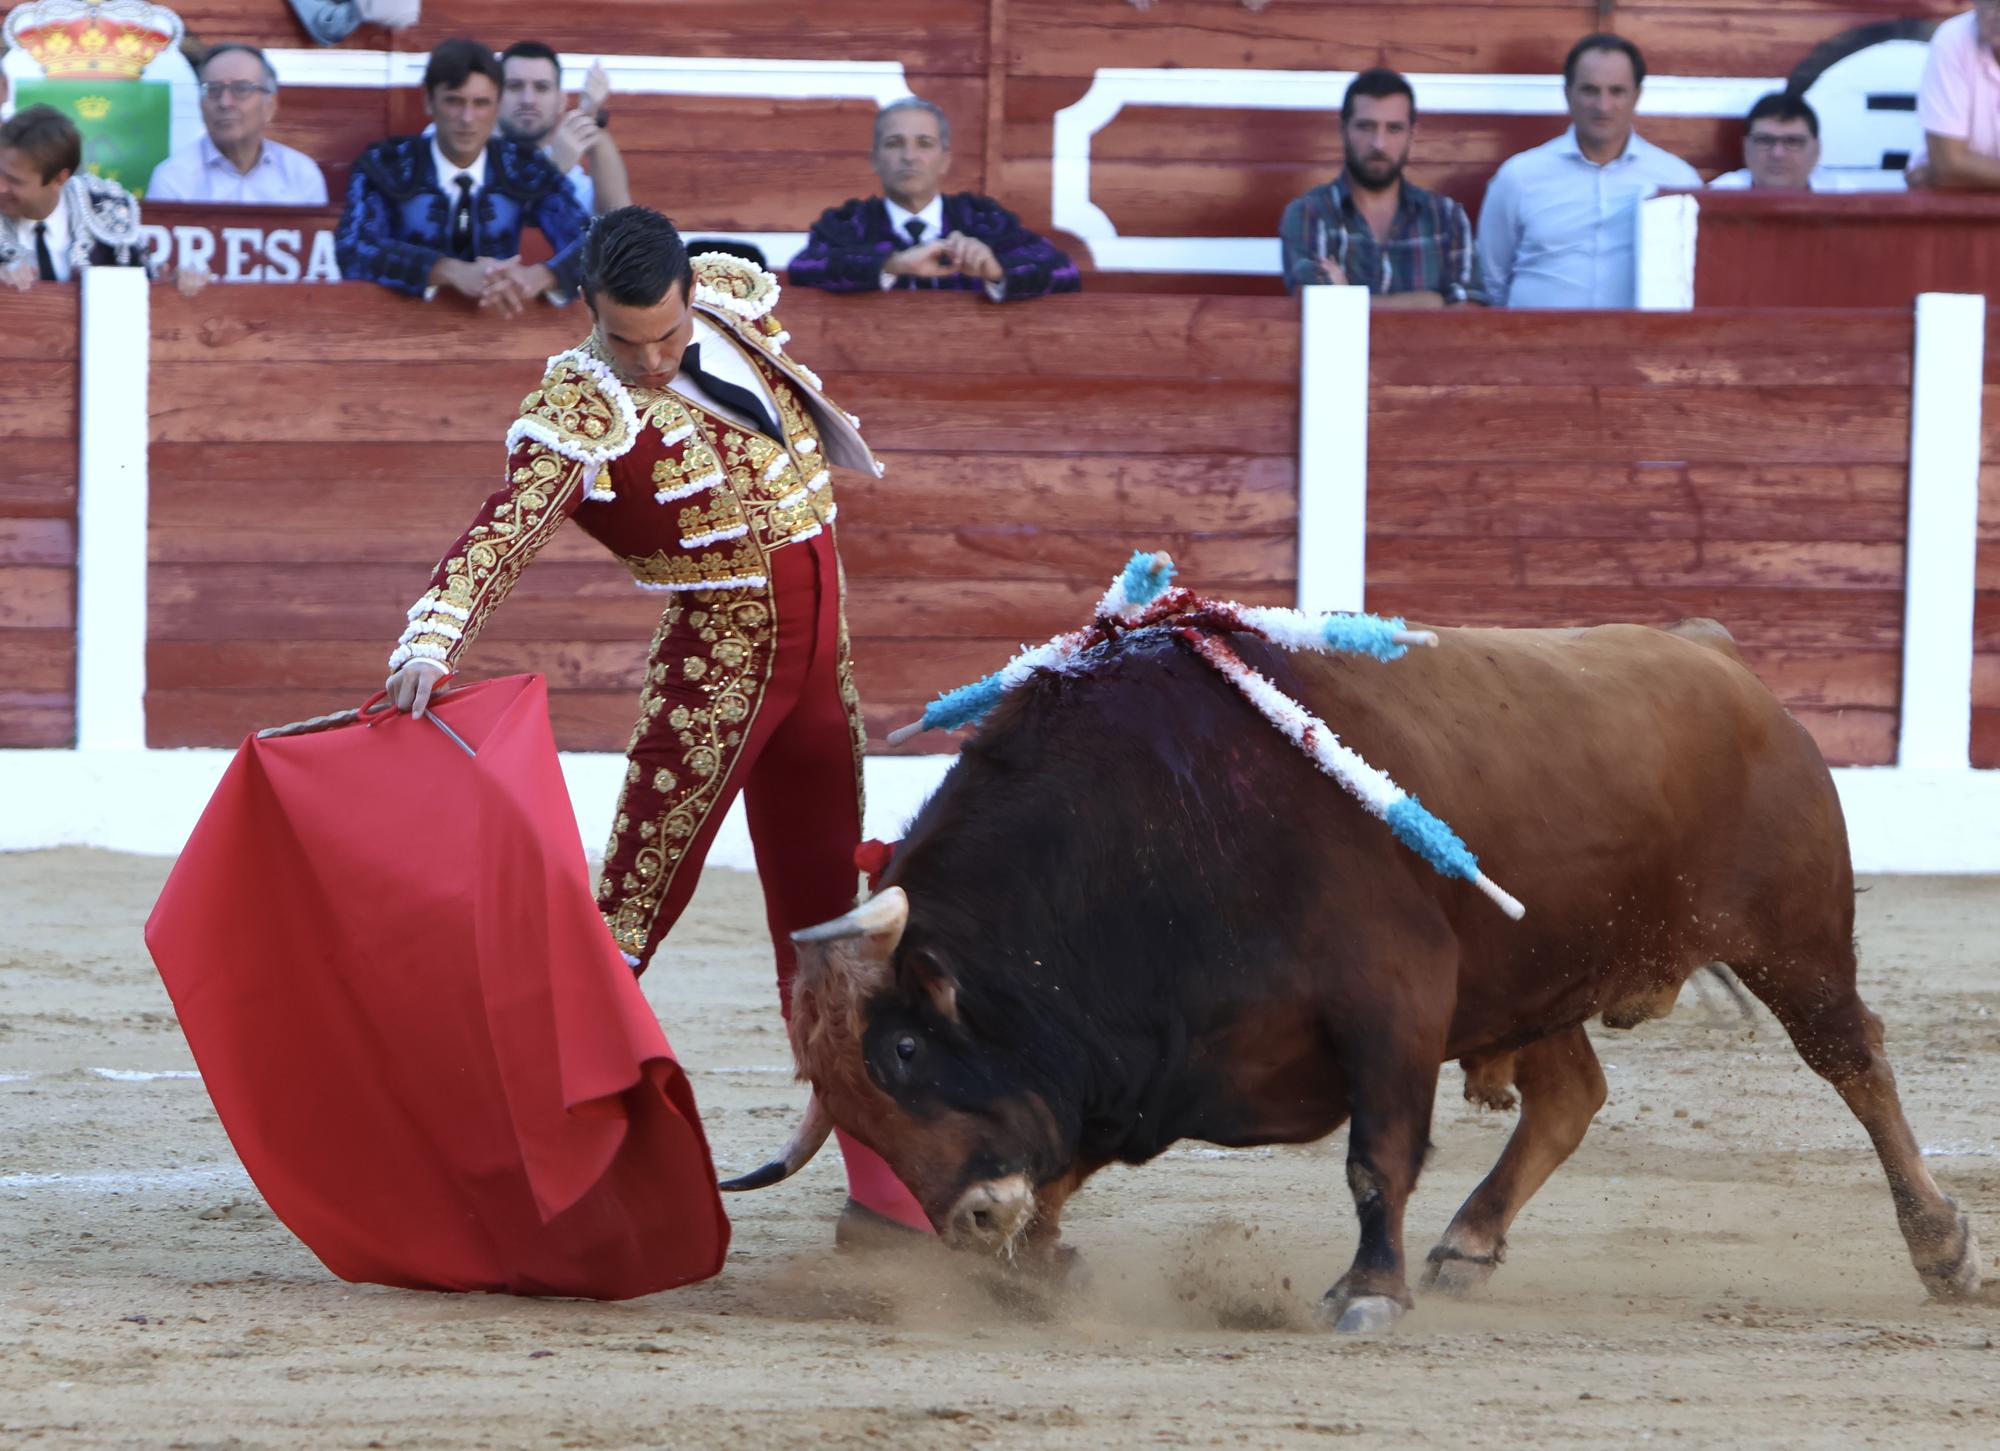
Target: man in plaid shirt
1368	226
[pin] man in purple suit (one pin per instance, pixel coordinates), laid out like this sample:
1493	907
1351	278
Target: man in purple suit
916	237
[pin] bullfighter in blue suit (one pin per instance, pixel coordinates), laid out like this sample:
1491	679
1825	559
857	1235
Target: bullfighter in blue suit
914	237
446	209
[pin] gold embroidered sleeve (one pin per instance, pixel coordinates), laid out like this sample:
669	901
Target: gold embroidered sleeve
543	488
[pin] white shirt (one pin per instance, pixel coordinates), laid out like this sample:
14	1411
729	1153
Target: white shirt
585	189
280	177
932	216
1557	229
448	172
58	237
1821	180
720	356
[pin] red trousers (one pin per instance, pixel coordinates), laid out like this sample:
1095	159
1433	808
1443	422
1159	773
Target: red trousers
750	690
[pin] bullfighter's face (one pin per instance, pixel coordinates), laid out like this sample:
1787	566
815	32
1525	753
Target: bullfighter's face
645	343
465	115
912	155
878	1028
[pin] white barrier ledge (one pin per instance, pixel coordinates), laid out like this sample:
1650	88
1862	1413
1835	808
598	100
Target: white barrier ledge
1899	819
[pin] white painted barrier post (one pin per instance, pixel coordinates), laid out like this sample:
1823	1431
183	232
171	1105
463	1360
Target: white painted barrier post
1943	542
112	424
1333	448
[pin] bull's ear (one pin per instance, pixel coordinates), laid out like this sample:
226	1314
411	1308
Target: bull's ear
924	976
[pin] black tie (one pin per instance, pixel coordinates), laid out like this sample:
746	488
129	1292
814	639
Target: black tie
915	227
729	394
461	219
44	263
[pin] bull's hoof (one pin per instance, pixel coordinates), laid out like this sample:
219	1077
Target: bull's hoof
1454	1272
1363	1315
1956	1276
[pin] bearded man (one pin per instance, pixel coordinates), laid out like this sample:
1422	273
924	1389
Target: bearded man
1370	227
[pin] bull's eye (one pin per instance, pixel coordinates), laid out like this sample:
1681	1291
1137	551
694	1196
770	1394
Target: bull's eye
906	1047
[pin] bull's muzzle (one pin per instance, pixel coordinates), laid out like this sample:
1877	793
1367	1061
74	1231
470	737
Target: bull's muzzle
991	1216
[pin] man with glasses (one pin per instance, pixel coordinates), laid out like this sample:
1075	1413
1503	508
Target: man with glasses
1780	148
234	161
1958	104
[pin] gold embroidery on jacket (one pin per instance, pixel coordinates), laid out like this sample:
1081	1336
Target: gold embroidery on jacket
689	749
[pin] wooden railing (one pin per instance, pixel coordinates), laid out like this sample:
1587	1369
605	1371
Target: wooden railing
38	458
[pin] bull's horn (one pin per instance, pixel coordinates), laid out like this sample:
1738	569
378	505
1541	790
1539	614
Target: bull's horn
885	913
805	1141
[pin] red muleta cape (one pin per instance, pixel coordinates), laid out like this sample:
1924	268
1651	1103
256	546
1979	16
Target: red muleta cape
414	1024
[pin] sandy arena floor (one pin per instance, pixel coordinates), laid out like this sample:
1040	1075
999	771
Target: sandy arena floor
1718	1265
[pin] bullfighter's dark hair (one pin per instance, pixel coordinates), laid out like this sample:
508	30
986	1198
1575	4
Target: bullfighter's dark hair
46	137
1376	83
1784	106
457	61
635	257
1604	40
531	50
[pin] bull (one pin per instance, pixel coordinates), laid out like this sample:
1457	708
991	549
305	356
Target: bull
1133	913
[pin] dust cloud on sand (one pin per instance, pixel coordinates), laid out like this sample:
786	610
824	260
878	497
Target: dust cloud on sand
1718	1264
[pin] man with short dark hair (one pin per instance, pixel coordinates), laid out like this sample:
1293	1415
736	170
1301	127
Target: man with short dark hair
448	209
916	237
233	161
1559	222
682	438
1372	227
55	218
531	110
1780	148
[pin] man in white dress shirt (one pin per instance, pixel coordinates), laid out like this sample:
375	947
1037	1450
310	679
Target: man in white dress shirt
234	162
1558	223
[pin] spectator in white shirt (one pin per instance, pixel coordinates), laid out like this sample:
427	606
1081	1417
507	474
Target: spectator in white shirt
531	110
234	161
1780	148
1557	226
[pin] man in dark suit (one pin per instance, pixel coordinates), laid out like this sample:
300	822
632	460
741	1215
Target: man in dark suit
55	218
446	209
915	237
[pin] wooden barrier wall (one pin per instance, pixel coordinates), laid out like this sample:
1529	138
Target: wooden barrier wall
38	407
1003	68
315	450
1552	468
1757	249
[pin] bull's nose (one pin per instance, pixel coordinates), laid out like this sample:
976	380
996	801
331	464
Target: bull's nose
990	1216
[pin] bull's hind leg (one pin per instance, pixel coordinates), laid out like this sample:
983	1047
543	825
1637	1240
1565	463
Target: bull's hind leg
1841	1040
1562	1088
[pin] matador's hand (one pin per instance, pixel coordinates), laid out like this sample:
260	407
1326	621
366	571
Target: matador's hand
411	687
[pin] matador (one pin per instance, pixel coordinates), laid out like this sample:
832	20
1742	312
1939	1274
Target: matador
684	439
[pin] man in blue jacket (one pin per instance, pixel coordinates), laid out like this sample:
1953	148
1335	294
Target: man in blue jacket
916	237
446	209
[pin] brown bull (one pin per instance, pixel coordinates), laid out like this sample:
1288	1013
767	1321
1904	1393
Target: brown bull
1134	913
